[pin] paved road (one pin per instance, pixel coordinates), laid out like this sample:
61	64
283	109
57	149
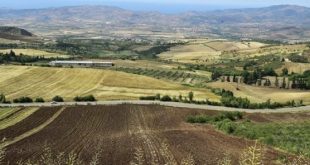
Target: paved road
172	104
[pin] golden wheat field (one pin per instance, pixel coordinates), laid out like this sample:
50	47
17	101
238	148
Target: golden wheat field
17	81
34	52
262	94
196	51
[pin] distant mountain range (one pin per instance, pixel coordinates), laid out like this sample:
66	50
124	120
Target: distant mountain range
285	22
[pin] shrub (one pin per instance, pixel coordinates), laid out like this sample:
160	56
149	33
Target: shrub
58	99
147	98
39	100
166	98
85	98
23	100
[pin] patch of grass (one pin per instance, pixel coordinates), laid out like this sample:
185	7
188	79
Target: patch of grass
293	137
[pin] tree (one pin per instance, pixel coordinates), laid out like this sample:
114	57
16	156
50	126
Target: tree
215	75
180	97
284	71
228	78
39	100
166	98
191	96
2	98
277	82
283	83
58	99
234	78
157	97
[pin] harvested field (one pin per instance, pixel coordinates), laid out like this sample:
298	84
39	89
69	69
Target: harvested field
16	117
34	120
262	94
34	52
160	133
70	82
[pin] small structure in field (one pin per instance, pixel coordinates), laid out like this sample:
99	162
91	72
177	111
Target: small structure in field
86	64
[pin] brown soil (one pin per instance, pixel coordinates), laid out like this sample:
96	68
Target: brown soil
120	130
27	124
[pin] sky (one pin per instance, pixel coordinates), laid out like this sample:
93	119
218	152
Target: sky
168	6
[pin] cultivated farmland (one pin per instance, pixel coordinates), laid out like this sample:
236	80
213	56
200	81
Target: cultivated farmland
34	52
261	94
208	51
70	82
121	132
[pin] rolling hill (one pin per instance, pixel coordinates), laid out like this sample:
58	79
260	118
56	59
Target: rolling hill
15	33
284	22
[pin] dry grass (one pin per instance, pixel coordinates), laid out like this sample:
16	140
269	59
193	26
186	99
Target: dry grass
34	52
23	114
296	67
4	112
261	94
71	82
197	51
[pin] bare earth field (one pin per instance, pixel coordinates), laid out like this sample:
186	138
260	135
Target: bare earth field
160	133
18	81
34	52
262	94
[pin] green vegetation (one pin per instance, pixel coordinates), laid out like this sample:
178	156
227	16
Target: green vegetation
298	58
229	100
292	136
39	100
58	99
23	100
90	98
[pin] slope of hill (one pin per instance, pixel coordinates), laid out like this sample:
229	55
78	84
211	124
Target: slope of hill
285	22
15	33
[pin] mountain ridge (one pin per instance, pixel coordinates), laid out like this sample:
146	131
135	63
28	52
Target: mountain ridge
248	22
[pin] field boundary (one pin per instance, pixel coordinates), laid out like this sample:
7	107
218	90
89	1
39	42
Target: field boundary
32	131
171	104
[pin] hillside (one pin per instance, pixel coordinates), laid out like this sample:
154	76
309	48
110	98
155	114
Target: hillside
15	33
18	81
285	22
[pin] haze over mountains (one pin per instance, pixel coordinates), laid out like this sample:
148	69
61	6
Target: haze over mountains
284	22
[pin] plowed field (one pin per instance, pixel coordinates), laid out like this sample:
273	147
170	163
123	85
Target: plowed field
160	133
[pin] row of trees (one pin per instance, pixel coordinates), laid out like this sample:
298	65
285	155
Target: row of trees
188	99
3	99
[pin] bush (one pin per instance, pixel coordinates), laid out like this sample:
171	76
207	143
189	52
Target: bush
166	98
23	100
58	99
147	98
85	98
39	100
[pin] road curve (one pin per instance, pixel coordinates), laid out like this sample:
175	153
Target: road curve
172	104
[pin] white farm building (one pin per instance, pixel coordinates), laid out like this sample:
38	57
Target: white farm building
87	64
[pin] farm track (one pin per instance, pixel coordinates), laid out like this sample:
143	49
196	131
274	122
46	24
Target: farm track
119	130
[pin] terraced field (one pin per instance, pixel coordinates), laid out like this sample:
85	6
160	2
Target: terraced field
182	77
43	82
158	134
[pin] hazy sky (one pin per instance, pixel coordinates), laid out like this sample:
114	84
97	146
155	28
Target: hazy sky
159	5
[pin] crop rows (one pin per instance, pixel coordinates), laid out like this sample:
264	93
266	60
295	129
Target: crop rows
172	75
